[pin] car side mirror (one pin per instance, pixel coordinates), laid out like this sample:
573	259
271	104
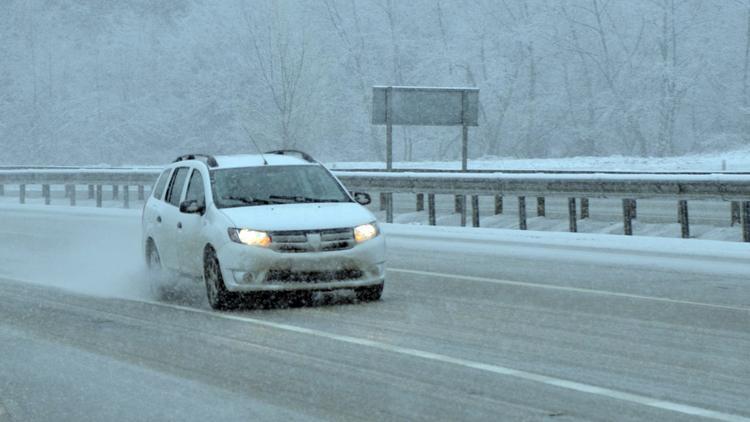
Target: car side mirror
362	198
192	207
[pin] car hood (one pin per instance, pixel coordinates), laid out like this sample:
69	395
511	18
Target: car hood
309	216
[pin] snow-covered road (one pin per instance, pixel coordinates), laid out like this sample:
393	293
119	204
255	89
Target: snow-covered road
474	325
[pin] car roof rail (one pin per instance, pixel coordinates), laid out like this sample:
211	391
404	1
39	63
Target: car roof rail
301	154
208	159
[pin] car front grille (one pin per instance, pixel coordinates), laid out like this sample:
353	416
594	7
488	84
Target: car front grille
287	276
312	240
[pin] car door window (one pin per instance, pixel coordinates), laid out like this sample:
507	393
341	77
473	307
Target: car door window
176	185
195	188
161	184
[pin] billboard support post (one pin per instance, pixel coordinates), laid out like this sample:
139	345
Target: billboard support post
388	130
425	106
464	132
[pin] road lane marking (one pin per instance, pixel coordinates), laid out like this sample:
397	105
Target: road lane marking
566	289
495	369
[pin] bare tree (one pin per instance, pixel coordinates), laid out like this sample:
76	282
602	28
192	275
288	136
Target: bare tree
353	40
604	61
501	59
389	9
283	64
585	129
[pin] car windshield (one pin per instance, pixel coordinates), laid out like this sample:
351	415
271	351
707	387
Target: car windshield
248	186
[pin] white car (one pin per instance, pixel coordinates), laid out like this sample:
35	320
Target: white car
252	225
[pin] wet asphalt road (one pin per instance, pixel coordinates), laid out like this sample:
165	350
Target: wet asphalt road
465	331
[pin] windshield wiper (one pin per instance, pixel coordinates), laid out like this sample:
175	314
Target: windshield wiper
248	201
328	200
301	199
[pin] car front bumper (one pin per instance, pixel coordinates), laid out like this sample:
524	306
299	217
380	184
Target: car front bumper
251	268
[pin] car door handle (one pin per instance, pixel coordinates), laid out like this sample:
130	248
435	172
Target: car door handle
179	225
158	219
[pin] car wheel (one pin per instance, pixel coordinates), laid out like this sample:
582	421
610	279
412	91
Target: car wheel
158	277
218	296
369	293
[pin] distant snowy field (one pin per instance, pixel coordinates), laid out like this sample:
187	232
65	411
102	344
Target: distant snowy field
738	161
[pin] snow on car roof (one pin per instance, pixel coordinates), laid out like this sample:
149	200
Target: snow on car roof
249	160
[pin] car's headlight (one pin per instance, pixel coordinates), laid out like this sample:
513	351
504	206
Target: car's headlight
365	232
250	237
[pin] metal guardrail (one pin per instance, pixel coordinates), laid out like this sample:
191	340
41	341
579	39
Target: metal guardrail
70	178
78	177
596	185
630	187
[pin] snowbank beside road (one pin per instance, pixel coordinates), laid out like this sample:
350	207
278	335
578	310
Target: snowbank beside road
710	249
683	255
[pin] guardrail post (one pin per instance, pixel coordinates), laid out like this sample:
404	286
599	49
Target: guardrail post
584	208
115	192
71	189
383	201
634	209
475	210
498	204
46	194
682	217
22	193
431	208
735	210
627	216
420	202
98	196
389	207
463	210
573	225
457	203
522	212
540	207
745	221
126	196
91	191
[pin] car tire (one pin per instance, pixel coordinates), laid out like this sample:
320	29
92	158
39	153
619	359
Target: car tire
369	293
219	297
160	283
